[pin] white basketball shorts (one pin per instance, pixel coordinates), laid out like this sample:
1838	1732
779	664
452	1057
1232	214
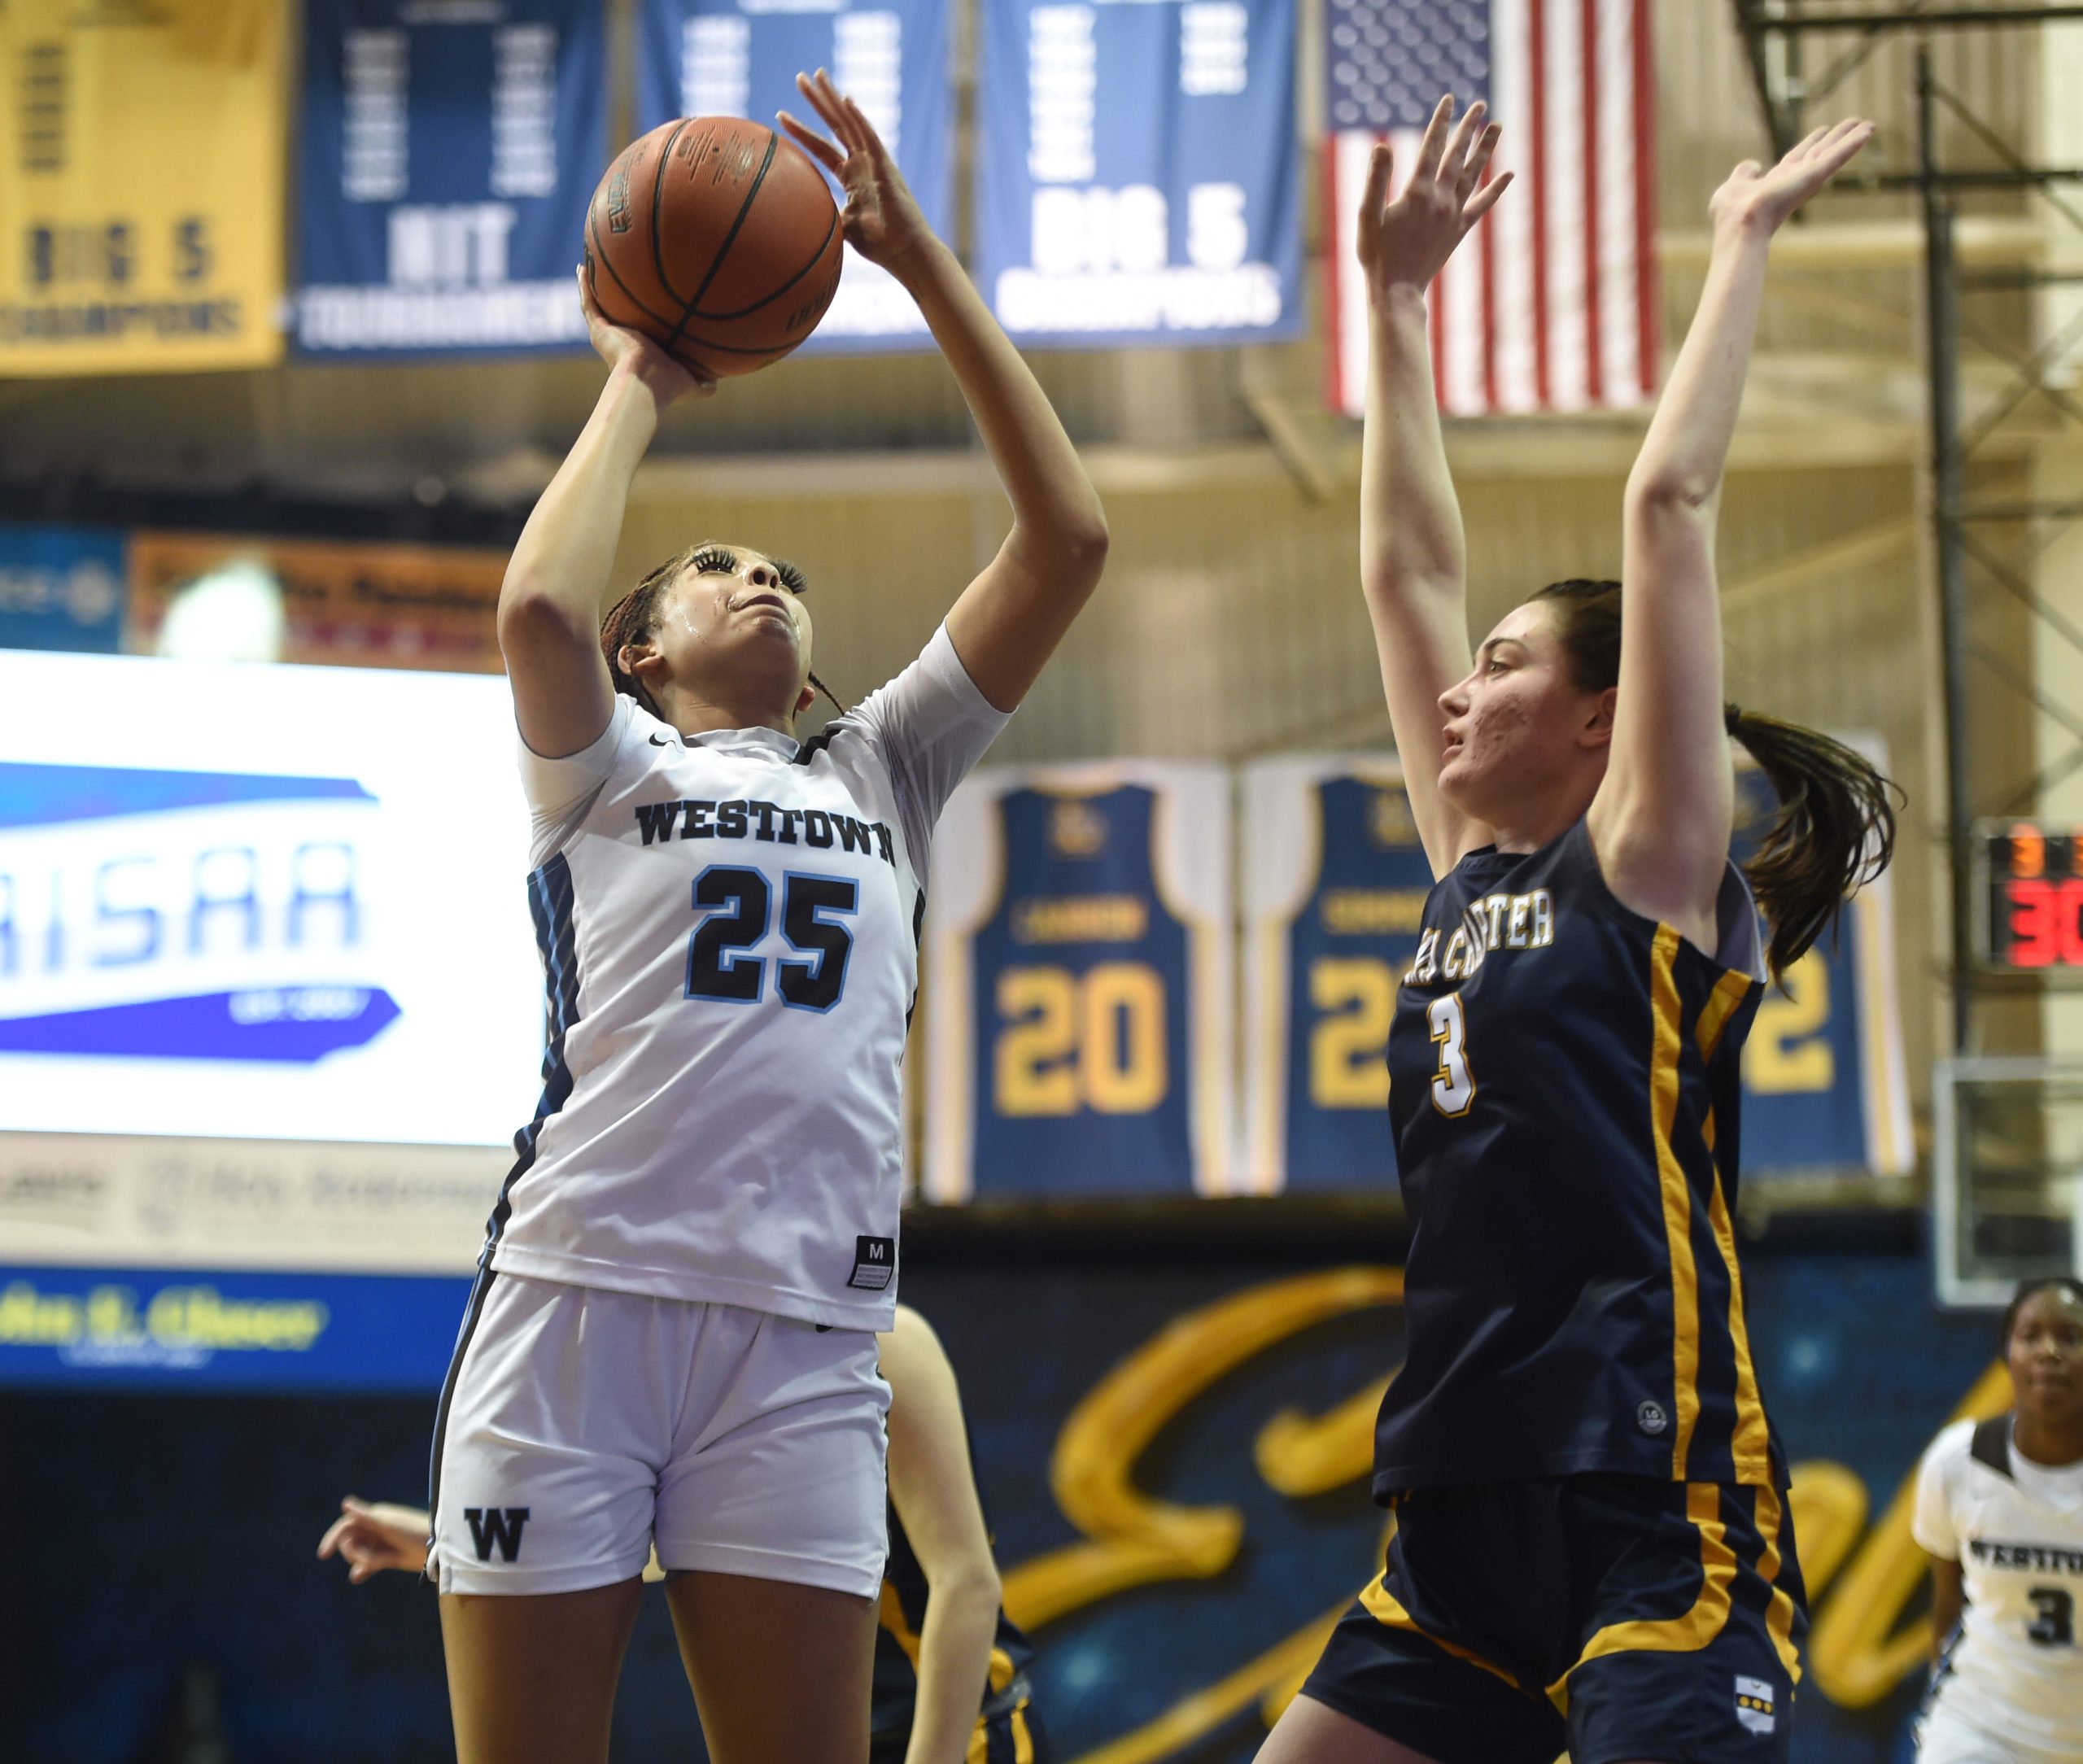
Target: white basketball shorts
579	1427
1947	1736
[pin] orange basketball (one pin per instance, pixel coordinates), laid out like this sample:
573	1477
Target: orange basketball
716	237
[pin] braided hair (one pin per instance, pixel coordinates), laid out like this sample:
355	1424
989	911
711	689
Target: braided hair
1835	826
634	618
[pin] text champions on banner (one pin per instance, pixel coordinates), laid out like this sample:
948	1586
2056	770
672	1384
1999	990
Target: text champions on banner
1551	303
1334	882
1138	180
448	154
140	186
739	58
1078	976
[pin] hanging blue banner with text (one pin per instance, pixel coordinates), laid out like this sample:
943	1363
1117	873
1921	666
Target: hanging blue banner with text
1138	175
448	155
739	58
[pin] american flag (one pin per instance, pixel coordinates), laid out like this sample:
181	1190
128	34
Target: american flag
1551	303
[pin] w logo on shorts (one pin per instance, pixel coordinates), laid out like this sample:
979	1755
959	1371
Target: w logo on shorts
1754	1703
501	1525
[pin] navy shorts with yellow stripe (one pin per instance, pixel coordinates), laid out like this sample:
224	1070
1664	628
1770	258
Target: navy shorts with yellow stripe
1616	1617
1006	1732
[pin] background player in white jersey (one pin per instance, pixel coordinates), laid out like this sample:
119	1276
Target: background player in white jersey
2000	1509
672	1335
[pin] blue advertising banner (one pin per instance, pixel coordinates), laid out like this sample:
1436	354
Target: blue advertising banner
1078	975
1139	172
1335	884
173	1330
61	587
1174	1459
739	58
448	154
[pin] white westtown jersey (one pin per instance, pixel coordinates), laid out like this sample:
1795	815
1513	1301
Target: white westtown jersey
2015	1528
729	925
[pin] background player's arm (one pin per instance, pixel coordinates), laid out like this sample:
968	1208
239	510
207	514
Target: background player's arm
556	582
1661	819
1412	551
372	1536
934	1491
1949	1599
1008	621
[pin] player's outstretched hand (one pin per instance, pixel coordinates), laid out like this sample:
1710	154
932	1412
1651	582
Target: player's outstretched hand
883	220
1758	200
370	1538
666	379
1408	241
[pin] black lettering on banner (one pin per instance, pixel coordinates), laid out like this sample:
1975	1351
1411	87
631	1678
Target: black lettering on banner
496	1526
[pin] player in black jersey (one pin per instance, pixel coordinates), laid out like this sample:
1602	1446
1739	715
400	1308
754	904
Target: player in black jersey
943	1631
1591	1547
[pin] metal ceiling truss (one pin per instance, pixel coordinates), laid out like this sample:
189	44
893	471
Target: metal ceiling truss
1800	53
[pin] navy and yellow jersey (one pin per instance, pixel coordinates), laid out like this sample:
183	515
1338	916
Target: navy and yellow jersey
1564	1093
1080	1017
901	1619
1335	880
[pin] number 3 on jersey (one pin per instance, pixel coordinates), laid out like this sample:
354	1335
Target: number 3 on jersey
1453	1086
737	905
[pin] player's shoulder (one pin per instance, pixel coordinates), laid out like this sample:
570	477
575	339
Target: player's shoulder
1953	1444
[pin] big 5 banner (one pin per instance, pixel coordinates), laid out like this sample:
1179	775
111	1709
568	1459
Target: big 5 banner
1077	965
1334	882
739	58
449	153
140	186
1139	172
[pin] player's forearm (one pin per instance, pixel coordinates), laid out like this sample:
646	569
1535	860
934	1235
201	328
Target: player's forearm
955	1664
1680	464
1410	519
1059	526
565	556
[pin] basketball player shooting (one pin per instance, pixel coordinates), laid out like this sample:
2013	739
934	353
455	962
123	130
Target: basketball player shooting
671	1339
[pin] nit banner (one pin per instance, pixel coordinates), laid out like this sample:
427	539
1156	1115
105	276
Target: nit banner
1077	973
449	153
140	186
739	58
1138	174
1335	884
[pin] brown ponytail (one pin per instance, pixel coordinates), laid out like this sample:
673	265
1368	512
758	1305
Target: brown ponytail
1834	829
634	618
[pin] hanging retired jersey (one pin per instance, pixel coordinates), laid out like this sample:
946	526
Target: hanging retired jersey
1079	1008
2014	1670
729	925
1824	1081
1564	1095
1334	881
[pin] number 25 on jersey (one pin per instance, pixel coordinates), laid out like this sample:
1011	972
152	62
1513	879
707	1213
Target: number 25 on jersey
737	906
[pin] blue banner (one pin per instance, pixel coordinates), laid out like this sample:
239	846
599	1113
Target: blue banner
171	1330
448	155
739	58
1139	172
61	587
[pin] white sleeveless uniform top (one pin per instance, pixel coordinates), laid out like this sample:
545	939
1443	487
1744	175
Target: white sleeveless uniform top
729	927
2016	1671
